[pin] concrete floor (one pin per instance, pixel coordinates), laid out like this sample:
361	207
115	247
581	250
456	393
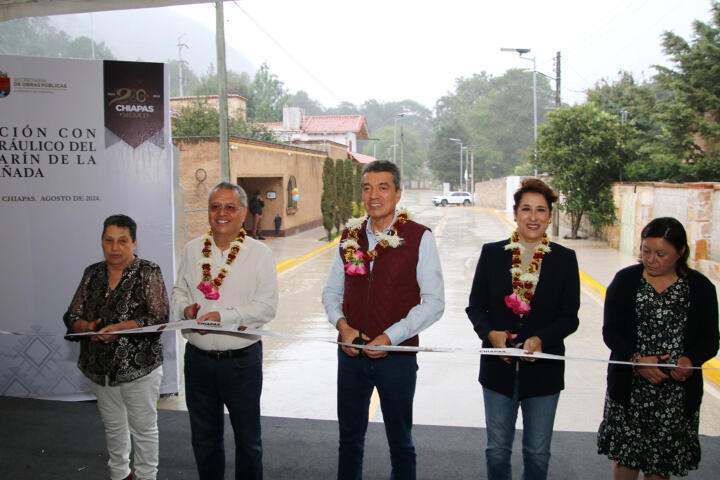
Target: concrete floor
299	376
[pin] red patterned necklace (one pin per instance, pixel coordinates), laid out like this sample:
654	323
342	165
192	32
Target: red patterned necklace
524	283
211	286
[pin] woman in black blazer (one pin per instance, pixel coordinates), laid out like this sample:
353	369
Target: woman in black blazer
526	291
659	311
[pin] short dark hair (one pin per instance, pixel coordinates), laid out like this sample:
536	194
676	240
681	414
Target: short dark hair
673	232
230	186
121	221
384	166
535	185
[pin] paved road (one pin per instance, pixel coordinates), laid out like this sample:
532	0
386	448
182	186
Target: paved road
300	376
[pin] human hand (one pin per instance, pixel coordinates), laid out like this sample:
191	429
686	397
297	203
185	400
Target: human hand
381	339
108	338
532	345
652	374
191	311
499	339
682	374
347	335
208	317
82	326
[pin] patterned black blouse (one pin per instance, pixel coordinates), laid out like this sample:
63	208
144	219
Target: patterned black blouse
140	296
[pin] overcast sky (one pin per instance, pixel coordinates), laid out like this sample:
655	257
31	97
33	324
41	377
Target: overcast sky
391	50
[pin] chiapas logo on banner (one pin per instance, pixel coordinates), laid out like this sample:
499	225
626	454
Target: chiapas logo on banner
133	102
80	140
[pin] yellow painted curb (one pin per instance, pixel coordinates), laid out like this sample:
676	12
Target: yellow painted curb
441	225
592	284
713	375
294	261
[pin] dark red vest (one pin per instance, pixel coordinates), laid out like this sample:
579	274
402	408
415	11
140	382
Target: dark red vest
384	296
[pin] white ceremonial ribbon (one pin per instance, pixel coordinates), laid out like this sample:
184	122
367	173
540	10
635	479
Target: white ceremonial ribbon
500	352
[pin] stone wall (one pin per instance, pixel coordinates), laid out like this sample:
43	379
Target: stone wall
490	193
695	205
714	254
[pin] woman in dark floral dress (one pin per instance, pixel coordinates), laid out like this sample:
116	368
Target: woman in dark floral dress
659	311
121	293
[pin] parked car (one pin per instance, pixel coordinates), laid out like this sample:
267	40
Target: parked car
453	198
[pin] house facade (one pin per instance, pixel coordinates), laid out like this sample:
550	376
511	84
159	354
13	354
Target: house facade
342	129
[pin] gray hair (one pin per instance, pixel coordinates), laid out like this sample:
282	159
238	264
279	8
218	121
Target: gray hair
230	186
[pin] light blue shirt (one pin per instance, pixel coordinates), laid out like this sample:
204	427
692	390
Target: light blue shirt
429	278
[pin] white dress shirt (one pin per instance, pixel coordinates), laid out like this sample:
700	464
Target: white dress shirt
248	294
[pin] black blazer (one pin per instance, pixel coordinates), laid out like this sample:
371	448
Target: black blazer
620	332
552	318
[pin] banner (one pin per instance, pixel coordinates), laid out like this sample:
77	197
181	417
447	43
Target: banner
80	140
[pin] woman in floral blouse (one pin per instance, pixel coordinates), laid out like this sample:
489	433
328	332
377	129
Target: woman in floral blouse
120	293
659	311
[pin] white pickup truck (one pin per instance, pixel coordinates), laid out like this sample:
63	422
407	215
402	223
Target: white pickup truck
453	198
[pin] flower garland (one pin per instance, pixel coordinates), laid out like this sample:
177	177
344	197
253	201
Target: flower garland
524	283
356	261
208	285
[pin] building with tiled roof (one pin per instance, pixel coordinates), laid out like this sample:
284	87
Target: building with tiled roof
342	129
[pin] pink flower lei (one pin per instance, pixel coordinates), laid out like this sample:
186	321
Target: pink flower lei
524	283
356	261
211	286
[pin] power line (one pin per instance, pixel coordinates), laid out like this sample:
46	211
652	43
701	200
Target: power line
290	55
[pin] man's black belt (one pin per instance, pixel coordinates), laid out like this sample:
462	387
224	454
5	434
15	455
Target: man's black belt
220	354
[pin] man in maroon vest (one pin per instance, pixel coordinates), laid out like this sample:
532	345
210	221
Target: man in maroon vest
385	286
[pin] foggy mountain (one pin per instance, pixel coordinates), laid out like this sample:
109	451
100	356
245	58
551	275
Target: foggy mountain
151	35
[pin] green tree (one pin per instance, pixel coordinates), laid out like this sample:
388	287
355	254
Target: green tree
690	115
328	200
344	178
34	36
84	47
494	115
636	107
237	83
583	149
202	120
189	78
444	154
308	105
358	208
267	97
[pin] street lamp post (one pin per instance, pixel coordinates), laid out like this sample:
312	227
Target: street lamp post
457	140
374	140
521	52
394	145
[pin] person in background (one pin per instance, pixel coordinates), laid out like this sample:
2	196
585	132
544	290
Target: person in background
526	292
226	278
120	293
256	206
658	311
385	286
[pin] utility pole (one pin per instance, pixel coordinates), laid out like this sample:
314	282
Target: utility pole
558	100
557	81
465	173
222	91
402	156
180	46
472	175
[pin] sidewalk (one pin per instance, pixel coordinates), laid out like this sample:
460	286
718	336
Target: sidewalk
296	246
